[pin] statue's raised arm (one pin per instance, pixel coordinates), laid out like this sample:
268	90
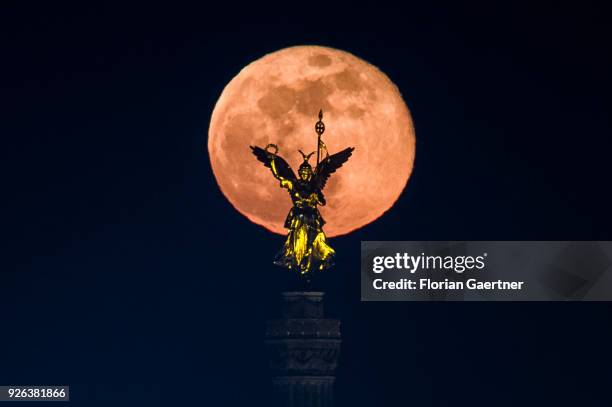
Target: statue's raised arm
279	167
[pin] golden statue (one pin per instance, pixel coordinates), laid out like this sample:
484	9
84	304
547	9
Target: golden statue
306	247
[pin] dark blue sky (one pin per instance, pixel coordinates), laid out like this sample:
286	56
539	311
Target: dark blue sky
124	271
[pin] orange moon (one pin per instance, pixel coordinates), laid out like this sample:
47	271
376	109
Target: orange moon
276	99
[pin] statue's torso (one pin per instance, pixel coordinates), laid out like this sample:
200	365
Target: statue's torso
301	192
302	206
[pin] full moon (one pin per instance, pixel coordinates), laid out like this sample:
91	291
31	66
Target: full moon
276	99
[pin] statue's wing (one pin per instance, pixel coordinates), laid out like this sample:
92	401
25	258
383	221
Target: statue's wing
329	165
283	168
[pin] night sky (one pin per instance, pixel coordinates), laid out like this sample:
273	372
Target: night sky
127	275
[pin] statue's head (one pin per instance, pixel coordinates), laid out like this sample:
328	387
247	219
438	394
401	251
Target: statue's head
305	170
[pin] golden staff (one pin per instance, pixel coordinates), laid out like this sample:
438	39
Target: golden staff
320	129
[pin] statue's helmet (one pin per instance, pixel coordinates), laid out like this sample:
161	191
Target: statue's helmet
305	170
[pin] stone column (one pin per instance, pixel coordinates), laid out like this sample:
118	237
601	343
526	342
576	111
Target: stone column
303	348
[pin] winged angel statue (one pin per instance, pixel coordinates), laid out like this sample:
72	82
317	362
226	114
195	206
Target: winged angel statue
306	248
